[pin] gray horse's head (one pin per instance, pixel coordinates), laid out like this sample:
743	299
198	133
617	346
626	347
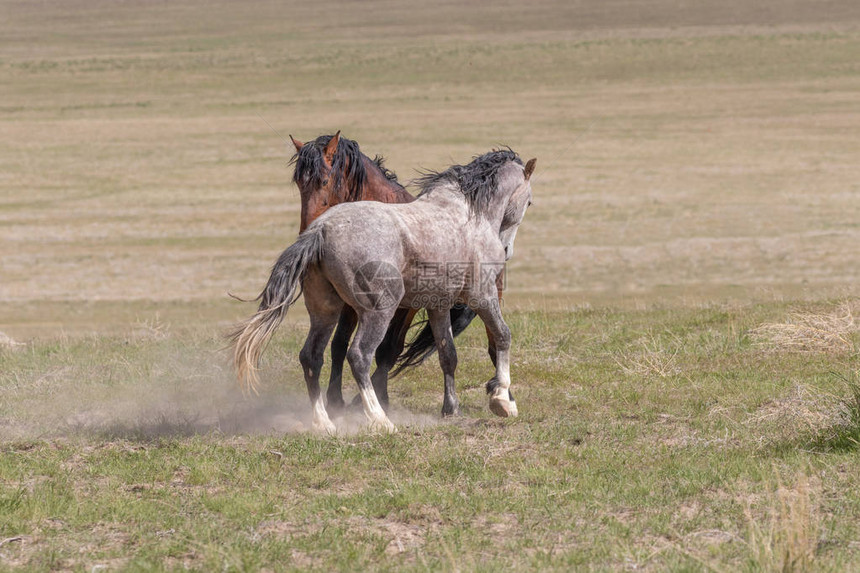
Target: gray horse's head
484	181
496	185
515	210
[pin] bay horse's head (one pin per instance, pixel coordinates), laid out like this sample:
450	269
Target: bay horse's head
328	171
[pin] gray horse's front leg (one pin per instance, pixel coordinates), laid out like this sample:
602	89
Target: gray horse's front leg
389	350
491	342
501	400
440	323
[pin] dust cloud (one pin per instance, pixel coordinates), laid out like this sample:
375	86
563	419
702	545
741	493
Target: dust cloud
170	395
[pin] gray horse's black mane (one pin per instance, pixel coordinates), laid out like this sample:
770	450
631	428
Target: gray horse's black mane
347	166
477	181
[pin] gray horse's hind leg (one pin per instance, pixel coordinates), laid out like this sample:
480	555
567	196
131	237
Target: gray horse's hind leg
386	354
440	323
324	307
339	346
501	401
388	351
371	330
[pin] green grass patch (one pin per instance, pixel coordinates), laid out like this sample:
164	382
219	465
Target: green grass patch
737	456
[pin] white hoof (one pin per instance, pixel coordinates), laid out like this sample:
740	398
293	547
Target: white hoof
501	404
324	427
502	407
383	426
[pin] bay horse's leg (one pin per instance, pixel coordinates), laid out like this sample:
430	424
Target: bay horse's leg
323	306
389	350
339	346
440	322
501	401
372	325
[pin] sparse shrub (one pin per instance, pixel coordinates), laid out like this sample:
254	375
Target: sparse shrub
847	431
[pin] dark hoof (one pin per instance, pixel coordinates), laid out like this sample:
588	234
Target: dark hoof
450	410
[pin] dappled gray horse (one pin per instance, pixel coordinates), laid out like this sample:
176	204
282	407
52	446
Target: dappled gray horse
446	247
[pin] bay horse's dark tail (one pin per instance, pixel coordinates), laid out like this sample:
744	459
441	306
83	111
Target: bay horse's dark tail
249	338
424	345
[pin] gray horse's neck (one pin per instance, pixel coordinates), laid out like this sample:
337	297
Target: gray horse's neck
456	206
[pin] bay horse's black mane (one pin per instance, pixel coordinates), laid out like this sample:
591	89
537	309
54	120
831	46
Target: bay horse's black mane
379	161
477	181
347	166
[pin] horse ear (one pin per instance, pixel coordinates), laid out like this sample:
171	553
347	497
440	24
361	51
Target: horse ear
530	167
297	143
331	147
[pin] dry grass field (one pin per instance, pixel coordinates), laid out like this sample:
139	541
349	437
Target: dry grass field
683	301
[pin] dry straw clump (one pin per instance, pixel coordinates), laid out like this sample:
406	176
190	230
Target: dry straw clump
651	358
782	531
812	332
783	535
8	342
803	411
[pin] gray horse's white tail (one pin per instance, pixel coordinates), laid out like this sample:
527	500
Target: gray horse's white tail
250	337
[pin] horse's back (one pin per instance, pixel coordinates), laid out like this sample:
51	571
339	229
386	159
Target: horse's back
360	233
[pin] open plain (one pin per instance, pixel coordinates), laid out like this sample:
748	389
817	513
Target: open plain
683	300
